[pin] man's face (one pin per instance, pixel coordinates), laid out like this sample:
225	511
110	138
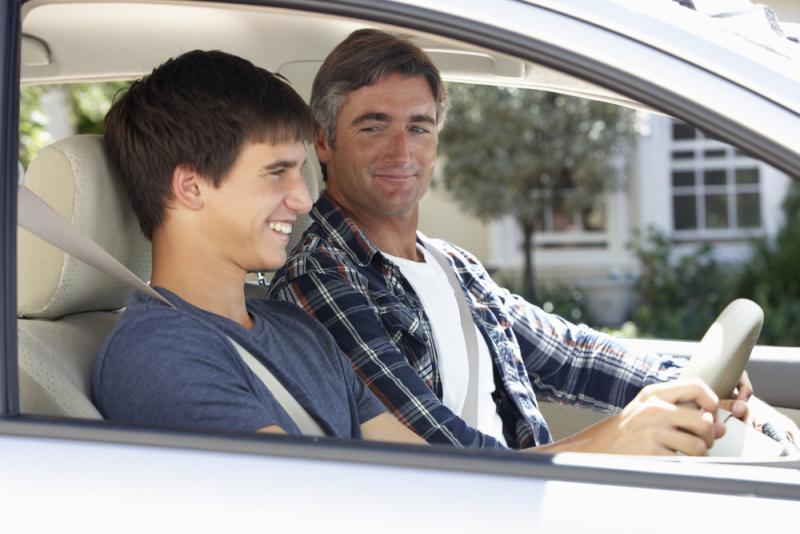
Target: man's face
250	215
385	148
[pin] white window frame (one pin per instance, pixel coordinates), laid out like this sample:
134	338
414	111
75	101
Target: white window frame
732	161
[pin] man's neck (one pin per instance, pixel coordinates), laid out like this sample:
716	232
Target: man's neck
203	281
395	235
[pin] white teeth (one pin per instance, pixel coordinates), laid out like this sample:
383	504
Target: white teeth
283	228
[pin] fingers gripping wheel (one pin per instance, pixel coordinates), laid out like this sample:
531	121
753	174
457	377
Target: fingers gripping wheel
725	348
719	361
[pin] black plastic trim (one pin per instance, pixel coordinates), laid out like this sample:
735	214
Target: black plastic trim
9	160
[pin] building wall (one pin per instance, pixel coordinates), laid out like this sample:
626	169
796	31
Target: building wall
652	200
440	216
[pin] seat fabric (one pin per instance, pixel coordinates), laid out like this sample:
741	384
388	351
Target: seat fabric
65	308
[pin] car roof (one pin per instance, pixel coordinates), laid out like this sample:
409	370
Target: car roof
124	40
737	46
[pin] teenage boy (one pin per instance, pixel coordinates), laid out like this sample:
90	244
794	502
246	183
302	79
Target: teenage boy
209	148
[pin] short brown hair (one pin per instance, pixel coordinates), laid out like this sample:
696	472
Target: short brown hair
197	109
362	59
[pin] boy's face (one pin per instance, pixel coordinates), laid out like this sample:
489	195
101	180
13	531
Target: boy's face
249	217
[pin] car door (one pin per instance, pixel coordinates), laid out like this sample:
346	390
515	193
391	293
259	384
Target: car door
148	477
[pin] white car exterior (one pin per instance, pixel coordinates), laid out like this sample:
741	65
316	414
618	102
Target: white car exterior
92	476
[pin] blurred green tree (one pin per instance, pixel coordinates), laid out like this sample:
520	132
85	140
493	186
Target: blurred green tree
33	135
771	278
88	103
678	298
512	151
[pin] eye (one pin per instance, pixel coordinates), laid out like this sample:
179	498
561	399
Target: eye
420	129
371	128
277	173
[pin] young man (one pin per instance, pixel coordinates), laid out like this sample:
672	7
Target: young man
365	272
209	148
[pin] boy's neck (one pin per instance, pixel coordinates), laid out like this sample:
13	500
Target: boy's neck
203	282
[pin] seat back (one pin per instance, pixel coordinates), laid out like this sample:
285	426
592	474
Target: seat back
300	75
66	308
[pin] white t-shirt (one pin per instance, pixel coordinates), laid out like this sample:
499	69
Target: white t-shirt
434	291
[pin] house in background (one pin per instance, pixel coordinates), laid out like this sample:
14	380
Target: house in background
693	188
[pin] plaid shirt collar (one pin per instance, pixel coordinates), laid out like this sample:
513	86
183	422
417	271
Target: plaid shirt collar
342	230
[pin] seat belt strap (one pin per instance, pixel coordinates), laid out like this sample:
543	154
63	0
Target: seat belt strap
470	412
37	217
299	415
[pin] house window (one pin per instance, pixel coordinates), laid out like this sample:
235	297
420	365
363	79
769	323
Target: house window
716	189
570	218
561	215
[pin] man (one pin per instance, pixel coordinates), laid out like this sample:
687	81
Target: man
366	273
209	148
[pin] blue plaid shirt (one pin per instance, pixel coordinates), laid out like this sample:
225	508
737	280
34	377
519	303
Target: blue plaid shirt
337	275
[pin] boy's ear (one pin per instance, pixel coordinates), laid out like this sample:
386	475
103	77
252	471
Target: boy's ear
187	187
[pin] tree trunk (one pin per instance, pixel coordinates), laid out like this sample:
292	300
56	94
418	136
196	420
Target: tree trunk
528	280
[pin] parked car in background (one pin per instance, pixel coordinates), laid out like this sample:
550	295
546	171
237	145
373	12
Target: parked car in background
64	466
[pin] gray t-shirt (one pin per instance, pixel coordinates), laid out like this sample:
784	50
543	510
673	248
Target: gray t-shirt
175	367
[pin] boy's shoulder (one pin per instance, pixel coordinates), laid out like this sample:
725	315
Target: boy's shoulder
150	327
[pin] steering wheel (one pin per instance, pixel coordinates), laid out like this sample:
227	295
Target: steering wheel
719	360
722	354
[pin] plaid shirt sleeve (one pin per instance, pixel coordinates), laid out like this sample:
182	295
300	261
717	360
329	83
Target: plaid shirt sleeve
333	296
576	364
571	363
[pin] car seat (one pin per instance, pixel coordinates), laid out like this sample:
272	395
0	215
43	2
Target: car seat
300	75
65	308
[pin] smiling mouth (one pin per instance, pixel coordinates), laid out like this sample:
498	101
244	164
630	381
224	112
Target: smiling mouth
280	227
395	177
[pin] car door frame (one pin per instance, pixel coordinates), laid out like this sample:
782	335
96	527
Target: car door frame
9	168
594	470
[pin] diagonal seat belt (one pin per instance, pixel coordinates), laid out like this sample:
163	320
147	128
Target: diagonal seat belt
37	217
470	411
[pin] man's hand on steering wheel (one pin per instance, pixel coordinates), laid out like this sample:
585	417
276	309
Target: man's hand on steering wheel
750	409
738	404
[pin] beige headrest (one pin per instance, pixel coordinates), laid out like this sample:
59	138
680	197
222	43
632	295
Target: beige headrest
313	177
300	75
74	177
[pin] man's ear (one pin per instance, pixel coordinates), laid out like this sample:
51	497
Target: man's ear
322	147
187	187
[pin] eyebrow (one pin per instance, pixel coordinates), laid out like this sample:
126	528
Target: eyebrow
282	164
371	116
383	117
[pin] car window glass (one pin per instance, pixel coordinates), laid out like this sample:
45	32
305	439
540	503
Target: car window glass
631	219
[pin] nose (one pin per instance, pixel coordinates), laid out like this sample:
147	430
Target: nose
398	149
298	198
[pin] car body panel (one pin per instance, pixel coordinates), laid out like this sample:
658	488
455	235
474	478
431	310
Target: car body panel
288	483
